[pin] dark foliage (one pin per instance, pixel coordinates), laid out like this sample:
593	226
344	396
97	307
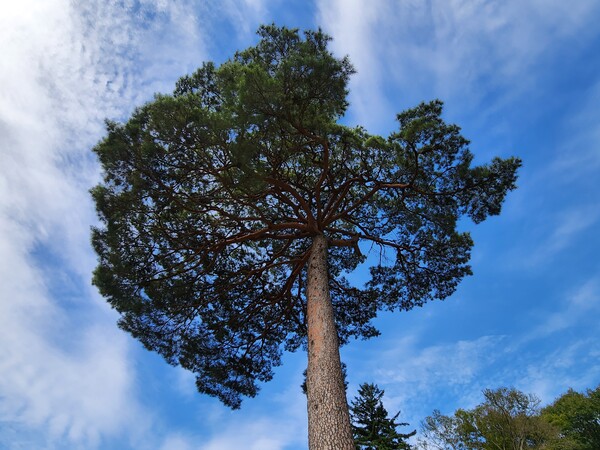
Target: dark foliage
211	197
372	428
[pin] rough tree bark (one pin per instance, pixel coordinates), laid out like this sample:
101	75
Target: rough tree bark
328	418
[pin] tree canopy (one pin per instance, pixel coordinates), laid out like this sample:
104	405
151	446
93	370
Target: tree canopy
213	195
577	416
507	419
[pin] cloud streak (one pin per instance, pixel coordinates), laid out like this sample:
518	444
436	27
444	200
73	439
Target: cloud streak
68	65
458	50
416	373
68	379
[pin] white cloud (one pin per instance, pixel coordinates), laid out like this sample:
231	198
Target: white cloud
414	375
177	442
580	304
563	183
578	155
456	49
586	297
56	374
545	356
276	422
353	25
259	434
557	371
557	235
455	363
418	379
251	428
66	66
244	17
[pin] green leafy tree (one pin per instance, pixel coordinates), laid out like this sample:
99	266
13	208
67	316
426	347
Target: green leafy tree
577	416
440	432
232	210
508	419
371	426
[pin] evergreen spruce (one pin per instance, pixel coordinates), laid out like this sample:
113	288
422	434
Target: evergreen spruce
372	428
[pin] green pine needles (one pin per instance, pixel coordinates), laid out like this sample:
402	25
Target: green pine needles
212	197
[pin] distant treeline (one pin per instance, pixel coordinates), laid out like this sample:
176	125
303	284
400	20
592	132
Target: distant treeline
507	419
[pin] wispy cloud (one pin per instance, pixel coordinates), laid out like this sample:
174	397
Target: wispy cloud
259	428
415	375
561	186
178	442
457	49
258	434
555	235
456	363
245	14
579	305
67	65
354	25
67	376
545	356
578	155
551	374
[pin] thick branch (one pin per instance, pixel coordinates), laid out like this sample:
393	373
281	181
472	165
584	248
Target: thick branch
301	201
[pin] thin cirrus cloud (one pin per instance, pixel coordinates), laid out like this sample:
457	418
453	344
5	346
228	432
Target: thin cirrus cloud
563	182
541	357
454	374
66	66
575	308
274	421
414	375
568	226
578	156
256	428
451	49
67	377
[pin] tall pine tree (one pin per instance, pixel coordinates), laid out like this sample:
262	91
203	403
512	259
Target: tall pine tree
233	209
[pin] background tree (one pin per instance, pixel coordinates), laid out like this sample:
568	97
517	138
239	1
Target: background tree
233	209
577	416
371	426
507	419
440	432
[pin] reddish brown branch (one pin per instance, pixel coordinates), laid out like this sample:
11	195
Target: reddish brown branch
301	201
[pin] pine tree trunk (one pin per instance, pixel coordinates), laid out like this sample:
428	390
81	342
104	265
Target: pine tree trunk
328	417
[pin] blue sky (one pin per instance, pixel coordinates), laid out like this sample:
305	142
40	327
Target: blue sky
520	77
